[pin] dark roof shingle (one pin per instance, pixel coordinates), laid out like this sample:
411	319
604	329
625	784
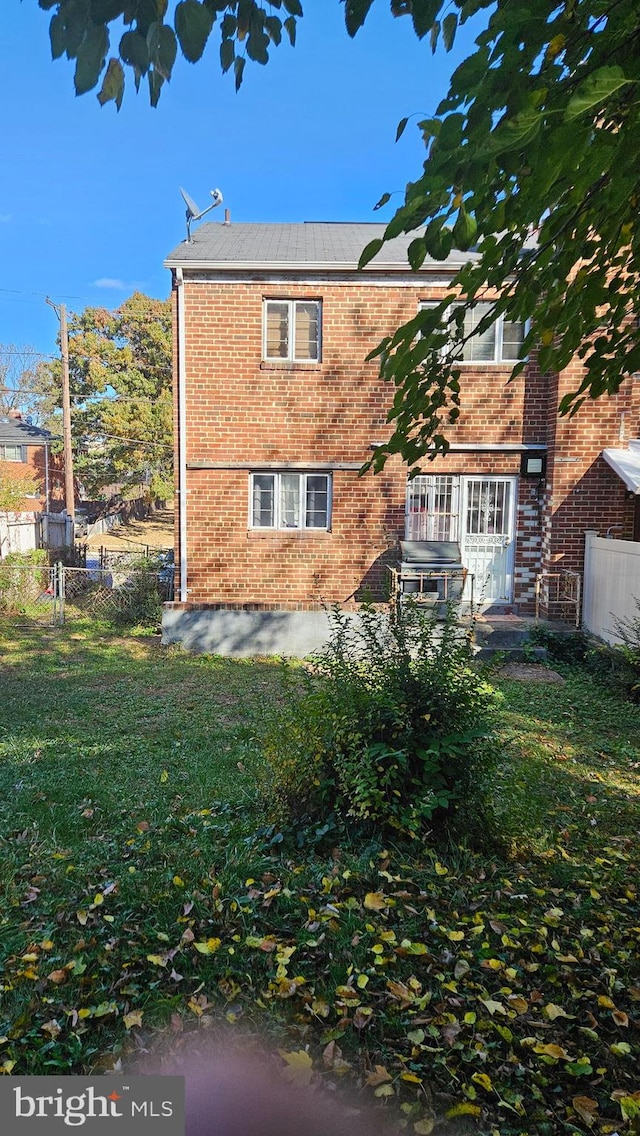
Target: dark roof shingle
312	243
17	432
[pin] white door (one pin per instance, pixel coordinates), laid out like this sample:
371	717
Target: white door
487	535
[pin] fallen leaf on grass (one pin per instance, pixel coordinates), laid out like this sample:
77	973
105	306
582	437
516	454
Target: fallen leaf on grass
209	947
424	1127
133	1018
53	1028
378	1077
299	1068
375	901
58	977
586	1108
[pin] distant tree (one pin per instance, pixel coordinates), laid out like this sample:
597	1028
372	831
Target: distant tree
120	377
20	385
532	160
13	490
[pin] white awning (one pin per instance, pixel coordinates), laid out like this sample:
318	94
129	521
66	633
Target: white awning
626	463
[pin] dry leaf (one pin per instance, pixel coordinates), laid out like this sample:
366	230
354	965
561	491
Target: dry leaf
586	1108
378	1077
375	901
134	1018
299	1068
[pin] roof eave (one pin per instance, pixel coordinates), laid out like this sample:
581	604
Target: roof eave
309	266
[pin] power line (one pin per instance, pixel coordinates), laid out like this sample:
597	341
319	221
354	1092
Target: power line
43	295
134	441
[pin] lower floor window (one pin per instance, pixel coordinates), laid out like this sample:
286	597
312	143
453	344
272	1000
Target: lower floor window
290	500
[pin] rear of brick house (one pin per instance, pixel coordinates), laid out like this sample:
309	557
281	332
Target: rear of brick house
277	410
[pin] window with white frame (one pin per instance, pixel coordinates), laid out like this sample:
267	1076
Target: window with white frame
288	500
499	343
13	453
433	507
292	331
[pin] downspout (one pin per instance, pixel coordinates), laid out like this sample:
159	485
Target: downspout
46	477
182	439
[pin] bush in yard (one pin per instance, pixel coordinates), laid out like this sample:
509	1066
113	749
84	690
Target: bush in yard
20	580
389	727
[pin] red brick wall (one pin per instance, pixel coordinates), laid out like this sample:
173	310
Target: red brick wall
34	467
582	491
240	409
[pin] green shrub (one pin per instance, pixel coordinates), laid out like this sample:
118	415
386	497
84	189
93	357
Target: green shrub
388	727
23	578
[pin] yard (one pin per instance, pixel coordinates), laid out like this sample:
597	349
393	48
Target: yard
143	899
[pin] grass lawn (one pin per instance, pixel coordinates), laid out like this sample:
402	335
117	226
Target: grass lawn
494	986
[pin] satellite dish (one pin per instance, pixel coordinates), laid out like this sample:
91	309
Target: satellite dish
194	213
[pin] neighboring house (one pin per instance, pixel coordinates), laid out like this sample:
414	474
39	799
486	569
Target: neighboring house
276	411
24	456
24	453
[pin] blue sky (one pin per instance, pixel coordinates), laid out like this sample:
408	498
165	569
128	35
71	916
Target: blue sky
89	201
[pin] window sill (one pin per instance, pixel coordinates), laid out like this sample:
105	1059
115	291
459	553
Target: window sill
488	363
289	365
260	534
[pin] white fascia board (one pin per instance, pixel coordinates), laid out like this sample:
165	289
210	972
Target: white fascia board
308	266
626	464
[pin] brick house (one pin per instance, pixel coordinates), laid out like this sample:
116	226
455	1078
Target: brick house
24	453
276	411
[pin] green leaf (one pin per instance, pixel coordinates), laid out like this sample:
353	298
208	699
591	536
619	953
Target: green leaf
156	81
57	36
135	52
293	7
383	201
258	47
434	36
595	90
290	28
401	128
423	13
416	253
449	27
163	48
227	54
113	84
371	250
273	27
104	11
90	59
355	13
193	23
465	230
238	68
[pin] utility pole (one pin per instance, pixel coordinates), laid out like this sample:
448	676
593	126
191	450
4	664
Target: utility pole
69	492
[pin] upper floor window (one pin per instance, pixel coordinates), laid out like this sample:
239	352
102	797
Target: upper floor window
499	343
13	453
292	330
290	500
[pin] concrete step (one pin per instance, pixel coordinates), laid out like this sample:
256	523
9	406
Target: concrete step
508	636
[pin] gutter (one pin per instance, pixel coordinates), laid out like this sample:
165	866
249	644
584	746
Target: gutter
202	264
182	438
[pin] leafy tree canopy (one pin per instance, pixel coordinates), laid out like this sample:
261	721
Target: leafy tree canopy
120	379
532	163
14	489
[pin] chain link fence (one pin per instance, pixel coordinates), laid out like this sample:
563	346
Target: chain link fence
127	592
30	590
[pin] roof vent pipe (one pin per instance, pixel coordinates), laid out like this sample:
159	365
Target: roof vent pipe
227	216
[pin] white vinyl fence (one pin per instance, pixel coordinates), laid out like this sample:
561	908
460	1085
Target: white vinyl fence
611	585
18	533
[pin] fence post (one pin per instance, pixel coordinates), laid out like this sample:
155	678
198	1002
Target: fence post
587	579
61	586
